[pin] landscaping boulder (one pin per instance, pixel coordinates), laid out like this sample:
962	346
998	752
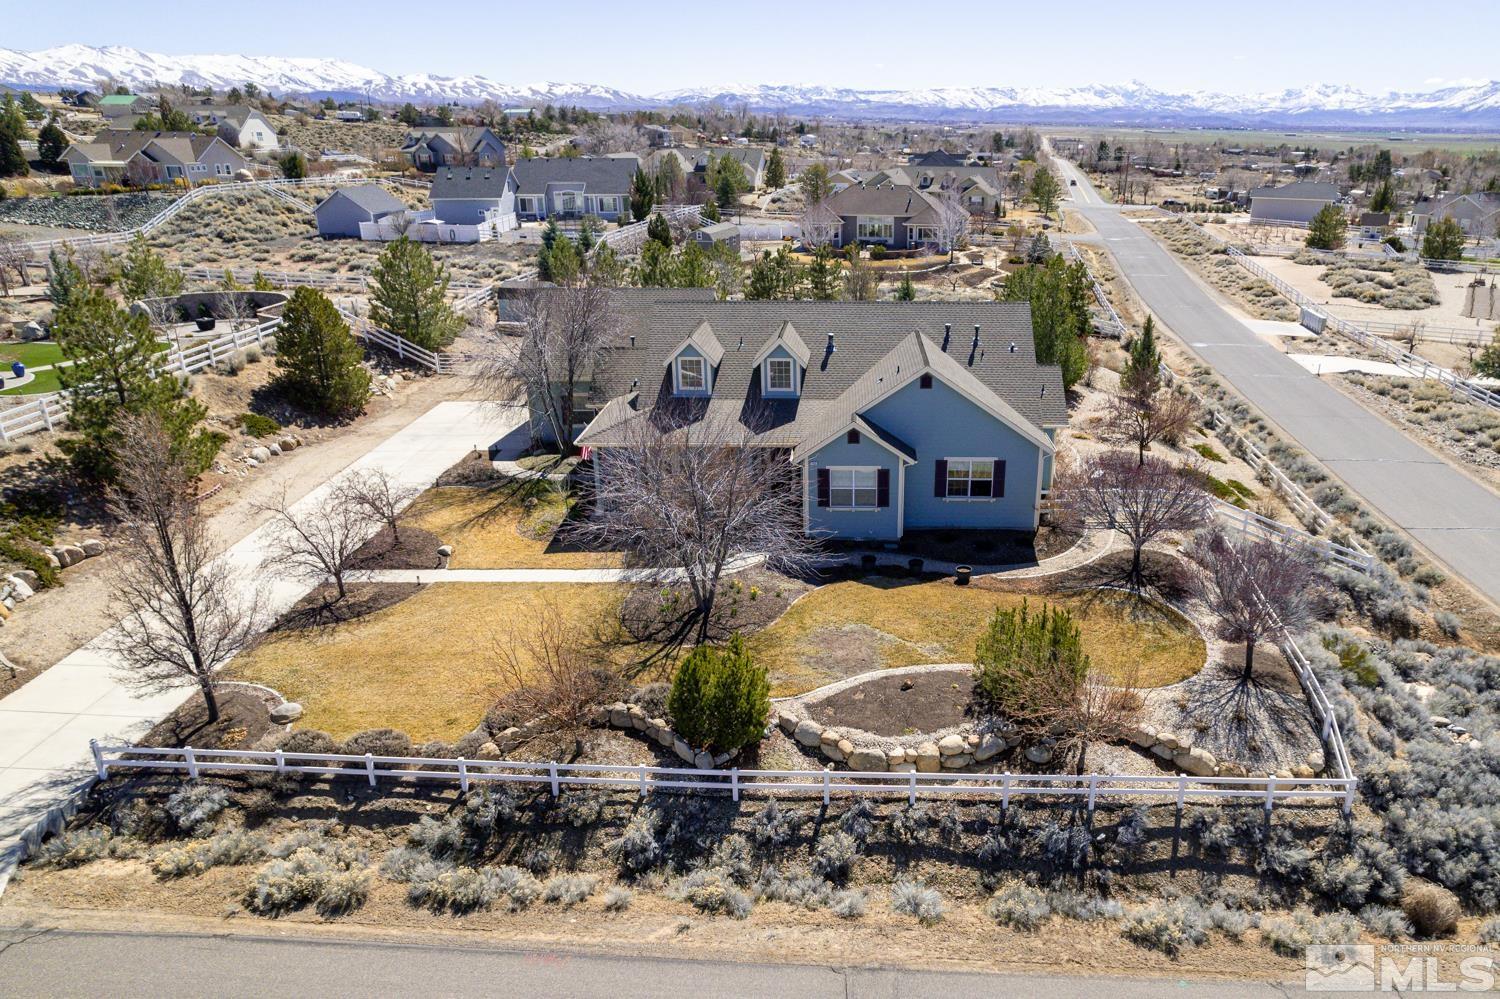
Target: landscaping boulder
867	759
261	453
488	751
1196	761
663	735
903	768
895	757
26	576
957	762
288	443
704	760
989	747
1163	750
285	713
1143	736
445	551
274	448
1169	740
19	588
73	554
952	745
928	758
809	733
683	750
1316	761
1040	752
1438	721
619	715
52	559
787	724
31	332
91	547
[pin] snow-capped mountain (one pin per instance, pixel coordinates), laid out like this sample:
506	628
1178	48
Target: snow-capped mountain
1473	106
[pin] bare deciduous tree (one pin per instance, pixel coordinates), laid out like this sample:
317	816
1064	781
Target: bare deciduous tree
819	225
1144	417
564	332
235	307
1255	587
545	659
952	221
13	261
1140	500
382	497
696	495
319	542
183	612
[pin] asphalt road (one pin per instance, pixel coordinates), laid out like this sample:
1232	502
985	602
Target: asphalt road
56	963
1450	514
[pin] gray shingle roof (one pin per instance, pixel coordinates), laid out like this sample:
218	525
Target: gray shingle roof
371	197
874	344
1302	190
897	200
469	182
597	174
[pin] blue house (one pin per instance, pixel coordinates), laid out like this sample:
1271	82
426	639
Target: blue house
900	416
572	187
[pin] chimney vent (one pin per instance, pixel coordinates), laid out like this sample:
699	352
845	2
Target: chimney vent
1012	346
976	334
831	347
632	339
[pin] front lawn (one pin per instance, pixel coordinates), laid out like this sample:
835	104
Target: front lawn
509	525
33	355
45	381
426	665
879	622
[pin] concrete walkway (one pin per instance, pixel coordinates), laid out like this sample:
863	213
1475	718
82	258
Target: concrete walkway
45	727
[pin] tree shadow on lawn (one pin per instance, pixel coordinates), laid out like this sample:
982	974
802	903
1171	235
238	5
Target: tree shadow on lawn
1164	585
1262	723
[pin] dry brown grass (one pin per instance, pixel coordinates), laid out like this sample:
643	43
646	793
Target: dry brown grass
424	666
881	622
505	526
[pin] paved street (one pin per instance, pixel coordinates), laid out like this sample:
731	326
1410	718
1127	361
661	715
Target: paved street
45	727
57	963
1452	515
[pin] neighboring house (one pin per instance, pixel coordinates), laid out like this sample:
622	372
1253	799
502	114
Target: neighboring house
848	177
900	416
572	187
430	148
140	158
350	114
1296	202
935	158
474	196
897	216
1477	214
718	234
239	125
667	136
694	162
132	106
339	215
979	187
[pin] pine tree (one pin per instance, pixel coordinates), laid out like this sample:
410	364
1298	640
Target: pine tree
688	700
775	170
1327	228
319	359
720	698
114	374
642	195
293	165
410	296
64	278
906	290
1058	293
12	160
710	211
1443	240
51	143
657	230
1045	191
774	276
1384	198
1142	374
144	274
656	268
823	276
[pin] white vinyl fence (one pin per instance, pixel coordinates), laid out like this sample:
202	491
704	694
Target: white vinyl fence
49	412
1001	787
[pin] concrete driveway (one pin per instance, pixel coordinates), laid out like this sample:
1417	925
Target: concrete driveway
1453	516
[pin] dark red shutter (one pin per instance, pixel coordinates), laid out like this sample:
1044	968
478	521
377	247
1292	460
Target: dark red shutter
940	477
822	487
883	487
999	478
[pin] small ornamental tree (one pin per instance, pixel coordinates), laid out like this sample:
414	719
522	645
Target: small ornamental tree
1143	369
145	273
293	165
642	195
720	698
1019	646
1256	587
319	359
1327	229
775	170
659	230
1443	240
1045	191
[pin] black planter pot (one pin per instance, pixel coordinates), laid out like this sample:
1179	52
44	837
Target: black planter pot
915	566
204	325
867	562
961	575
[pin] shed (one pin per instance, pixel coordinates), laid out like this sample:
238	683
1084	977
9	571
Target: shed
340	214
718	234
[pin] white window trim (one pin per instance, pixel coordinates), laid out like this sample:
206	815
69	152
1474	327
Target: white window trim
887	222
947	479
854	488
683	389
765	377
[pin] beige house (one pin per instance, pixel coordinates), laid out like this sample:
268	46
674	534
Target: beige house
116	156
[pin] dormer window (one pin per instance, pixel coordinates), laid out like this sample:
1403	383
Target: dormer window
692	375
781	374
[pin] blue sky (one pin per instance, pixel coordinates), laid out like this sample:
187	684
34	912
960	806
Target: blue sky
1270	45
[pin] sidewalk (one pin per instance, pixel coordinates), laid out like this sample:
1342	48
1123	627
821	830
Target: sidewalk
45	727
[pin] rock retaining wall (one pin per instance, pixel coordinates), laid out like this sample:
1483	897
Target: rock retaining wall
632	717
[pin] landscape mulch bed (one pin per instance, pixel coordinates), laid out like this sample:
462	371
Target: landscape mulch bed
413	548
900	705
322	608
244	717
984	547
473	469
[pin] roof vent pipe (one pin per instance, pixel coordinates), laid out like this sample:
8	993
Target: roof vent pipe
632	339
947	334
976	334
1012	346
831	347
